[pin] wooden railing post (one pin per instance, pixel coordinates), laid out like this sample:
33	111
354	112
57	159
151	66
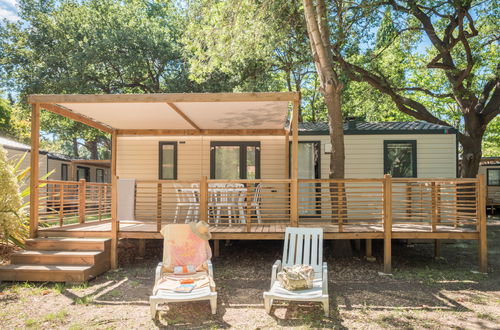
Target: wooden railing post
294	203
61	205
387	223
204	198
340	206
481	219
99	200
159	195
434	208
82	186
435	215
248	212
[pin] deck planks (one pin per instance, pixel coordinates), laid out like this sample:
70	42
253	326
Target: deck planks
142	229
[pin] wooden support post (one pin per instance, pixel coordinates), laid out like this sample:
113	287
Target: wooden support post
61	205
434	216
294	186
141	248
82	192
481	218
387	223
437	248
369	250
216	248
159	195
115	226
204	198
35	169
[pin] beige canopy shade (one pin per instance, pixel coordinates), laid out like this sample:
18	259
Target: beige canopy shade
187	114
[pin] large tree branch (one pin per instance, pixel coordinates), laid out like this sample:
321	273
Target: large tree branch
426	91
403	103
492	108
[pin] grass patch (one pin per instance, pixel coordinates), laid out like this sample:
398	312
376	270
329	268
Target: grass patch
59	287
486	316
31	323
85	300
56	317
429	275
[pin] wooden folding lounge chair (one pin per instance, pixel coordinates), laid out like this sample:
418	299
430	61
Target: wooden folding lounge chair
302	246
167	296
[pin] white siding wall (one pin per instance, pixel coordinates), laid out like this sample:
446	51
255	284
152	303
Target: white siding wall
137	157
436	154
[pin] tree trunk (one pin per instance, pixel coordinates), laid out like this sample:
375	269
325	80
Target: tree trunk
336	125
471	156
76	154
93	149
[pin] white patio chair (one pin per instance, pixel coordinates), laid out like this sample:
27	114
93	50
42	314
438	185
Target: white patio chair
302	246
161	296
255	204
185	198
164	296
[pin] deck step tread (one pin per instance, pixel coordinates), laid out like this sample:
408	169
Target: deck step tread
46	268
59	253
67	239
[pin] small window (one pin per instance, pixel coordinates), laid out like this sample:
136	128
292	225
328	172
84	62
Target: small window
168	161
83	173
400	158
99	175
493	175
64	172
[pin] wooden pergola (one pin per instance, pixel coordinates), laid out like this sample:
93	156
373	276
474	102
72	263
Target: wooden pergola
169	114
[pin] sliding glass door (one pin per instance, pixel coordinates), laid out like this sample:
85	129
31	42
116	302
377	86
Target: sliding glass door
309	168
234	160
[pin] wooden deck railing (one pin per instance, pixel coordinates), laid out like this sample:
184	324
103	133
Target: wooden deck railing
434	204
68	202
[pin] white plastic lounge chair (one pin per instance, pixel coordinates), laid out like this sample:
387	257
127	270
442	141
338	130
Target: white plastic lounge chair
160	295
302	246
164	296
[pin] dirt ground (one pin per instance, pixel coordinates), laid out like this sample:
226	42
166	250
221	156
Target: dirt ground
422	293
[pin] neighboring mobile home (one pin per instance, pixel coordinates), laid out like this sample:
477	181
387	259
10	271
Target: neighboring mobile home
490	167
62	167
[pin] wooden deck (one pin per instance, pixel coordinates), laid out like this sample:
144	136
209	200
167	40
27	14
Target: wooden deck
147	230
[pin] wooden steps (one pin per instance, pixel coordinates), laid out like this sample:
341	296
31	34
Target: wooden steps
59	260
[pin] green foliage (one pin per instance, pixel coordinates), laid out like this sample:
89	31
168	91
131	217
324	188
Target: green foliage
11	205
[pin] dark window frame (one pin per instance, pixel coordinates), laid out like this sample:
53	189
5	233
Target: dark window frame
101	170
160	159
87	173
414	155
64	170
243	156
488	177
